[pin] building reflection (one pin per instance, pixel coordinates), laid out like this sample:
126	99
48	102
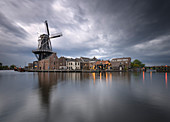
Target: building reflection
166	80
151	75
100	76
121	76
46	81
109	77
94	78
143	76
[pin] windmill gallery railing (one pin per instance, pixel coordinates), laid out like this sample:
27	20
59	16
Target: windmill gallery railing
44	44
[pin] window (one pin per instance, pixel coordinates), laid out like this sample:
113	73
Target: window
75	63
71	63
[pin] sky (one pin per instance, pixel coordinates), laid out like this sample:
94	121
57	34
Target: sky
106	29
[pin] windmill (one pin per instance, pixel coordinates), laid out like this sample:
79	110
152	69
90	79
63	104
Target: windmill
44	44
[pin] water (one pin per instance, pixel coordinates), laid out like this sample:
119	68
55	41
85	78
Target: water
84	97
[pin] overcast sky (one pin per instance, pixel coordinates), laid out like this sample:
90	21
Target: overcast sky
107	29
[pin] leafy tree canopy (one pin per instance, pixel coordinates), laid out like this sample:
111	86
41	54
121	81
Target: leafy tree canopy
12	66
137	64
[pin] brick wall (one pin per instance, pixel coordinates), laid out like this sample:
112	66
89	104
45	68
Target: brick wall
49	63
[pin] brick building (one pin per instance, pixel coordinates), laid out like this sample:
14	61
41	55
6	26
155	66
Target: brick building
35	65
30	65
49	63
62	62
88	63
121	63
102	65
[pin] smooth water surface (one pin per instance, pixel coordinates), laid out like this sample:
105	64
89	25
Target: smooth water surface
84	97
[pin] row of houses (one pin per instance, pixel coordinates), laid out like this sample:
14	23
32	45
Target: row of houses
83	63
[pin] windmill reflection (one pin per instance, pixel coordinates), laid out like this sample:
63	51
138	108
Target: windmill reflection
46	81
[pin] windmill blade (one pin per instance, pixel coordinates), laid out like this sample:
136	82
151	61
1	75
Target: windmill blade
47	27
56	35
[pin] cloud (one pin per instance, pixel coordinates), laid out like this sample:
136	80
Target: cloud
105	29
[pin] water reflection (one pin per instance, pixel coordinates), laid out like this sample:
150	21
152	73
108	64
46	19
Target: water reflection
46	81
94	78
143	76
151	75
100	76
121	76
79	97
166	80
111	78
106	78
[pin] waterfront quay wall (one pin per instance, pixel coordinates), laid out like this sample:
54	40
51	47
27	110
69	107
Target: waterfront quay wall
95	71
78	71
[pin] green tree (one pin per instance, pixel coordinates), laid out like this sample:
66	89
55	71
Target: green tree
136	61
132	64
5	67
137	64
142	65
12	66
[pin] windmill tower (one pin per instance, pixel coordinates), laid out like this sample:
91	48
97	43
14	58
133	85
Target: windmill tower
44	44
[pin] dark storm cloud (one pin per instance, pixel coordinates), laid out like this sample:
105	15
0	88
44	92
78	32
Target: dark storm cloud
107	29
139	20
7	26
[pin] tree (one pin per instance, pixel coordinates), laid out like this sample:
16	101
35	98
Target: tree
137	64
12	66
5	67
142	65
136	61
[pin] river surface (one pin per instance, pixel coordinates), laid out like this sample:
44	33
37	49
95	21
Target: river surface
84	97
